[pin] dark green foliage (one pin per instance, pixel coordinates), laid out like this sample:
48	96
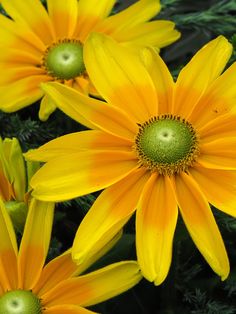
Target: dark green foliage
191	286
202	305
217	17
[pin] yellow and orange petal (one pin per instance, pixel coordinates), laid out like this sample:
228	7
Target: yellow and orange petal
112	210
94	287
8	252
132	86
63	267
104	168
35	243
155	227
76	142
201	224
93	113
194	79
218	186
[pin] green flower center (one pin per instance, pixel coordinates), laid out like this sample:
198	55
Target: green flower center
167	144
20	302
64	60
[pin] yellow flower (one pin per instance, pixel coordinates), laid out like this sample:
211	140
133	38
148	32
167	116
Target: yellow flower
40	46
158	145
12	170
14	177
27	286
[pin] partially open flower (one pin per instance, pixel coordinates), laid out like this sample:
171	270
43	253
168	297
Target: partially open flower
15	174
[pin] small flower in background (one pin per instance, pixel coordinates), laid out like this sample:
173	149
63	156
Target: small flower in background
40	46
27	286
15	174
158	145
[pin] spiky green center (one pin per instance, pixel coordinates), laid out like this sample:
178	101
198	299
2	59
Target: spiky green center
167	144
64	60
20	302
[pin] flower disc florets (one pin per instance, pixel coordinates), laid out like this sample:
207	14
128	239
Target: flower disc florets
167	144
20	302
64	59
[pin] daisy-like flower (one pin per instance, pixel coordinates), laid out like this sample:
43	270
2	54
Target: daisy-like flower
158	146
40	45
27	286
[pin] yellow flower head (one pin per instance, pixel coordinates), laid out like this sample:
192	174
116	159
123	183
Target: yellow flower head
40	45
27	286
157	146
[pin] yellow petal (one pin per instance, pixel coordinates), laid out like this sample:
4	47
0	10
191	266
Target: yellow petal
161	78
82	84
222	126
79	84
16	57
91	112
155	225
106	217
218	154
218	100
14	37
219	186
21	93
201	224
58	269
103	7
35	243
32	14
156	34
137	13
19	72
67	309
47	107
8	251
88	17
81	173
63	267
75	142
199	73
95	287
96	255
125	82
63	15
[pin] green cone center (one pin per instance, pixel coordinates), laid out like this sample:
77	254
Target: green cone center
20	302
166	143
64	60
